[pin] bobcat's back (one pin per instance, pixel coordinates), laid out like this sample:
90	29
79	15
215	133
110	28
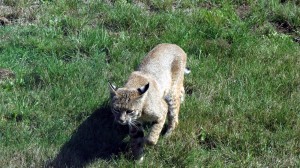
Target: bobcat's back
166	63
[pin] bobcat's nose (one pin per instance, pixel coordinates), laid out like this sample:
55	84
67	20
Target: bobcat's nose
123	122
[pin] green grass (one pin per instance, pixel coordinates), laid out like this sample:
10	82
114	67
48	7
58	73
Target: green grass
242	107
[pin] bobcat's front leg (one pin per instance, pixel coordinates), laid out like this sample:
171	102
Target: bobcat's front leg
136	134
155	132
158	125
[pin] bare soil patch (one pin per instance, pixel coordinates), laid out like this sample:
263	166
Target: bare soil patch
283	26
208	5
297	2
287	28
18	15
6	74
243	11
4	21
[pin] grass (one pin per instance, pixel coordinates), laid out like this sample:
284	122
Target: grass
243	95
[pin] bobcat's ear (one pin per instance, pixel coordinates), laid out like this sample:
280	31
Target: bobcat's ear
112	88
143	89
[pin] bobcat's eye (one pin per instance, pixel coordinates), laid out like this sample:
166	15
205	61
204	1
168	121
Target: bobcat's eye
116	111
129	111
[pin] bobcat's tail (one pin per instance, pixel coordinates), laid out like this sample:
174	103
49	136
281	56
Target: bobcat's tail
187	70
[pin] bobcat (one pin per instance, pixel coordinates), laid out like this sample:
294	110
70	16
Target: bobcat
151	94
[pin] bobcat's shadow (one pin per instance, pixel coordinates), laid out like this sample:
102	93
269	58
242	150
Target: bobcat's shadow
98	137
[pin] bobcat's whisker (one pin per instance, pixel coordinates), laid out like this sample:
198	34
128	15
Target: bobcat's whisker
132	124
137	123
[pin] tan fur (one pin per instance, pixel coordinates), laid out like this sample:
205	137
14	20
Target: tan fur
163	69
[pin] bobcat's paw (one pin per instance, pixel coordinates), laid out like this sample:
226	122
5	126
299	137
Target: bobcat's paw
139	160
150	141
169	132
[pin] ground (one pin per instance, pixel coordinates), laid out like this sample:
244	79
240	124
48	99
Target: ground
243	92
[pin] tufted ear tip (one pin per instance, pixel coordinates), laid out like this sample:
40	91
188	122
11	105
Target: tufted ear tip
112	87
143	89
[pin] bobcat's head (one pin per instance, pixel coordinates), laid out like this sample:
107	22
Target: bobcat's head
127	103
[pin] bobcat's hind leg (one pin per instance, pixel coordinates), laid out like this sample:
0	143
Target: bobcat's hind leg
173	111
